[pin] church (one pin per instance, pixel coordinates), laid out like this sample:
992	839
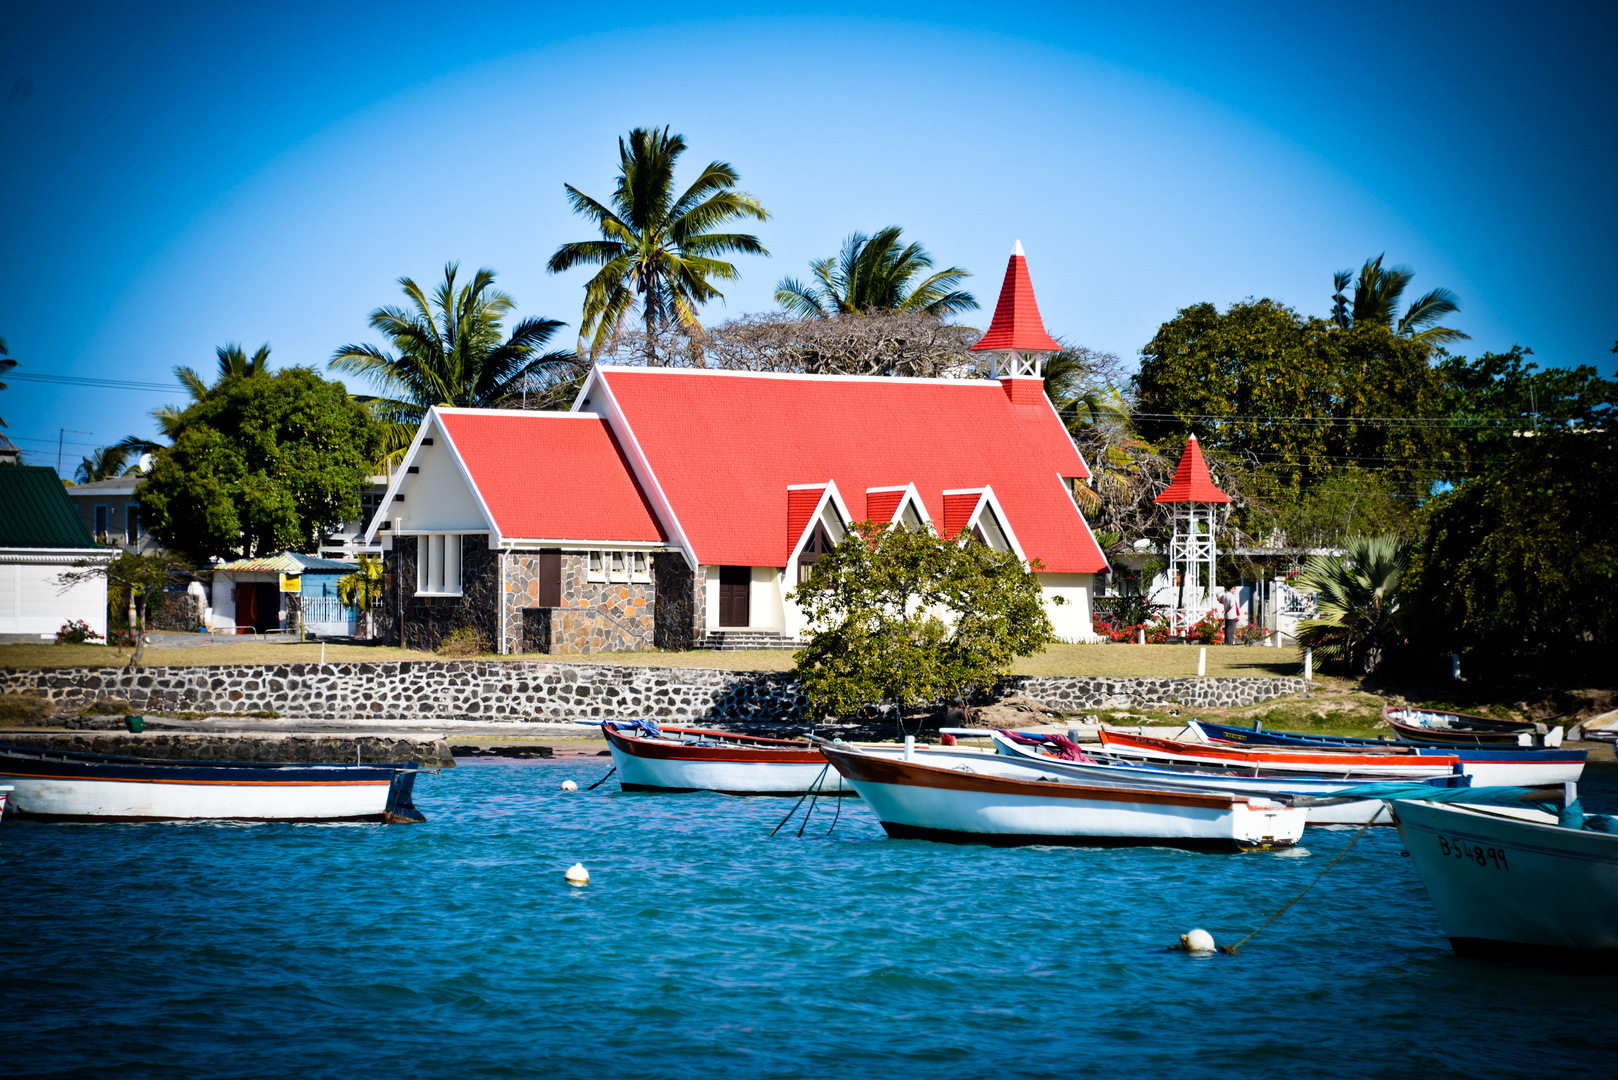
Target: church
677	508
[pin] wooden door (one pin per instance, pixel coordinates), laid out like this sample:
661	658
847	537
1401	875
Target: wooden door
735	582
550	579
246	605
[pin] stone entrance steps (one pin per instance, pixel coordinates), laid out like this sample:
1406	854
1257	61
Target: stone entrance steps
738	640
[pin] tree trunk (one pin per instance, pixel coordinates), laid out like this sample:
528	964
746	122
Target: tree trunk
139	631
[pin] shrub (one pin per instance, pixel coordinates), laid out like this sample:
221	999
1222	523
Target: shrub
1207	630
76	632
15	707
467	641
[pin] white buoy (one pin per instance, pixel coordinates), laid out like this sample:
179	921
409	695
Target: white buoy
1197	941
578	875
568	785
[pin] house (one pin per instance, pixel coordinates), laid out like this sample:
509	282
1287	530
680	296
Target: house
41	538
270	594
111	511
9	453
678	508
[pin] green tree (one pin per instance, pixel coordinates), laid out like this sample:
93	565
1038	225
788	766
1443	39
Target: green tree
363	588
657	249
1498	396
139	579
451	350
1523	560
1377	293
902	616
876	273
105	463
1359	615
260	465
234	363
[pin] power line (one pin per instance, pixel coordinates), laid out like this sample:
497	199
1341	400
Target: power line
1411	421
105	384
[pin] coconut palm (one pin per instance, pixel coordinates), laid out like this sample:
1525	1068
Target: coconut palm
657	249
6	364
876	273
363	588
107	463
450	351
1358	615
234	363
1376	300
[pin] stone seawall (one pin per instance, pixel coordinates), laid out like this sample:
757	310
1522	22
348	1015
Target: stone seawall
533	691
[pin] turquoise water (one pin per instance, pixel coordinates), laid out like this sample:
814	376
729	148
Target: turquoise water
704	948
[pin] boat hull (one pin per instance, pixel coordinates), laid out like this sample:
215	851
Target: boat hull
655	765
1514	889
85	787
1010	806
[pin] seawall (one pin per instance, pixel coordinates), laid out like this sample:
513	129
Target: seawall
518	691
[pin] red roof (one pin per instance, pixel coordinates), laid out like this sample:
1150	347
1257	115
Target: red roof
1016	324
1191	480
725	446
552	476
880	506
958	509
801	505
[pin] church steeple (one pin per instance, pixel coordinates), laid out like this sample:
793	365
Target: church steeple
1017	336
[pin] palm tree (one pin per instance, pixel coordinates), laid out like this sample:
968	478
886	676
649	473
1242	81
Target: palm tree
1376	301
363	588
6	364
450	352
107	463
1358	615
657	249
234	363
875	273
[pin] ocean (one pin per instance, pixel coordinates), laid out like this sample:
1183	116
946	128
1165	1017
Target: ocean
703	947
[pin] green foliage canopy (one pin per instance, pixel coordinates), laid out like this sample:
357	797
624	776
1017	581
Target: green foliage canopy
263	463
876	273
1359	609
902	616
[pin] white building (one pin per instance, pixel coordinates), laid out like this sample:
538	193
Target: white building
41	538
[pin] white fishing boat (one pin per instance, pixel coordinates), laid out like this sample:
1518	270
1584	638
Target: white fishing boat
70	786
678	759
5	790
1515	889
1002	802
1050	755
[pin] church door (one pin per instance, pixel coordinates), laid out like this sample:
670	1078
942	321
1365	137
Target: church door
735	582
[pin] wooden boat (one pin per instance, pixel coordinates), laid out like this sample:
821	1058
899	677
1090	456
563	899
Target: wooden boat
1495	765
677	759
1514	889
1001	802
1251	761
72	786
4	791
1431	726
1282	788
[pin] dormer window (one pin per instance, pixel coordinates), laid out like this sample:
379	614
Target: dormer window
815	548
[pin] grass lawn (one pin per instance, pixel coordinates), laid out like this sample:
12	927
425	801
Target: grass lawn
1120	660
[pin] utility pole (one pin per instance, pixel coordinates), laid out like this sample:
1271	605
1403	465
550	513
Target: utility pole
61	438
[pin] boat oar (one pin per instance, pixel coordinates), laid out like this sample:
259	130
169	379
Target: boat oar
603	780
799	803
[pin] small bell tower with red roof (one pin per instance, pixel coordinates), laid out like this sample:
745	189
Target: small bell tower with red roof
1016	337
1193	550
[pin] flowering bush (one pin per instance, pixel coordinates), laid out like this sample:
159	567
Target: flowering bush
76	632
1251	635
1206	630
1157	631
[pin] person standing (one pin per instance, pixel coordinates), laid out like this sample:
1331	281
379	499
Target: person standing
1231	605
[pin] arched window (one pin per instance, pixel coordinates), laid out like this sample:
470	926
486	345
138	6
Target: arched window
818	545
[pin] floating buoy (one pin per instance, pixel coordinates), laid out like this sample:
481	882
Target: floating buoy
568	785
578	875
1197	941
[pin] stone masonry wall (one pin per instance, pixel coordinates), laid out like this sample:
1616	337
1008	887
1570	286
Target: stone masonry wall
514	690
595	616
673	612
426	619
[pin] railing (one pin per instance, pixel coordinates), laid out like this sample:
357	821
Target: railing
326	609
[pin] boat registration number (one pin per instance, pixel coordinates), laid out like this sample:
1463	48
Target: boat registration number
1483	856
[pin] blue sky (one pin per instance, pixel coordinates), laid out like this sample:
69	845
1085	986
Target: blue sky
264	172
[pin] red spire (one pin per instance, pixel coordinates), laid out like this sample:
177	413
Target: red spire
1191	480
1017	326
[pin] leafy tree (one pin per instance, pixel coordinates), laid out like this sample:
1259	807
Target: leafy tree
1524	559
6	364
1499	395
657	249
1359	614
363	588
1376	302
876	273
901	616
260	465
234	363
105	463
139	578
450	351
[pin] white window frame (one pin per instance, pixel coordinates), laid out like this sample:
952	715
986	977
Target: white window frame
618	565
438	566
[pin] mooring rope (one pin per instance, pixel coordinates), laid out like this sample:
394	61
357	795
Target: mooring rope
603	780
1235	950
839	813
799	803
